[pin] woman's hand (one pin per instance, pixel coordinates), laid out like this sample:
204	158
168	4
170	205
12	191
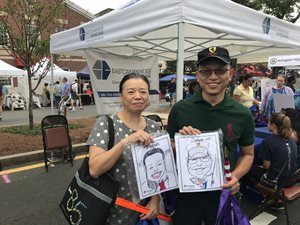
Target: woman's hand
233	184
189	130
153	206
140	137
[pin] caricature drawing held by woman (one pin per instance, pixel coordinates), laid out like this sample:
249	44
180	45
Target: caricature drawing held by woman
155	169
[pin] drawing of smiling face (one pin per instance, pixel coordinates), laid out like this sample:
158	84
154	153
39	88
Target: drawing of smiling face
155	167
199	164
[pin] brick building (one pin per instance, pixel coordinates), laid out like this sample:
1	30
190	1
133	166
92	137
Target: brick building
71	16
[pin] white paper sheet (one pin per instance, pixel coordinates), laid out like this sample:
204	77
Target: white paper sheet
199	163
155	167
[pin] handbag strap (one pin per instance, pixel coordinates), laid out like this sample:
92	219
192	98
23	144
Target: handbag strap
111	133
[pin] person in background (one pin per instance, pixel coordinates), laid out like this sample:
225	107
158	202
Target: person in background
244	92
57	92
74	95
267	105
46	95
290	82
278	152
130	127
172	90
294	116
1	99
65	90
192	88
89	92
211	109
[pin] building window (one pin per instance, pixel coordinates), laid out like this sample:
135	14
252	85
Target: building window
3	35
5	81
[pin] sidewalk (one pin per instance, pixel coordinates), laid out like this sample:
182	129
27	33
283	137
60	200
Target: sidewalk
20	117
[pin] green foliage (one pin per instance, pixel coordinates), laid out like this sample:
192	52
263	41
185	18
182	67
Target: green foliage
25	28
24	129
283	9
189	67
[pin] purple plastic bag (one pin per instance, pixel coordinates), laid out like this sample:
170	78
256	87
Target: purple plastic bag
228	205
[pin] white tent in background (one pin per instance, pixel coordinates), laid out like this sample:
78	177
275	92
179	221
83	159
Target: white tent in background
58	74
10	72
178	29
7	70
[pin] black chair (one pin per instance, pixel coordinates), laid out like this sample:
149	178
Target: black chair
157	119
55	131
284	194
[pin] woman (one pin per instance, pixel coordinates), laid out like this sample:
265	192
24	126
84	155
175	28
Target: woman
46	95
130	127
278	151
267	104
244	92
294	116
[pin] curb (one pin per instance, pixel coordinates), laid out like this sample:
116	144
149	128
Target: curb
13	160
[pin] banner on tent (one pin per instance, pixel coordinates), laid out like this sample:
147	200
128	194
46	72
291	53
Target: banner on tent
107	71
284	60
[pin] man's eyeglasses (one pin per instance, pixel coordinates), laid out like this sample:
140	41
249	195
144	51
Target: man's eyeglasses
218	72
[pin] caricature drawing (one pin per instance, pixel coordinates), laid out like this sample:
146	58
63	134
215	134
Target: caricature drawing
200	164
155	169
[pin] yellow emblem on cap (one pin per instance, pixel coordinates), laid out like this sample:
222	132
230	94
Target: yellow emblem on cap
212	50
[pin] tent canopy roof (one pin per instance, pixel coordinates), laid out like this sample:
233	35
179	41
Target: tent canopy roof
40	66
9	70
142	29
84	72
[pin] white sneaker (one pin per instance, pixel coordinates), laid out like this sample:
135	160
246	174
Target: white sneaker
73	110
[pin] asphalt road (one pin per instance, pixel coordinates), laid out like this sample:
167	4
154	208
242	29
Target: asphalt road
31	197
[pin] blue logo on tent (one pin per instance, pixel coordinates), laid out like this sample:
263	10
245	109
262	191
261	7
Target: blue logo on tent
266	25
101	70
82	34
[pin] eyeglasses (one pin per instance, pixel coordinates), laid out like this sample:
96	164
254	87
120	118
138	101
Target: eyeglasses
218	72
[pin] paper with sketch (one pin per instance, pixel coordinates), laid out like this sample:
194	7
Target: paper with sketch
199	162
155	167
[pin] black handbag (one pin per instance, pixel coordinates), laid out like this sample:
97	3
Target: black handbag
88	200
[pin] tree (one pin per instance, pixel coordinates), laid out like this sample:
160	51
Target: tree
283	9
25	27
189	67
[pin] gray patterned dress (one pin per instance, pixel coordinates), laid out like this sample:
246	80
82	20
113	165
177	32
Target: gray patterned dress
123	170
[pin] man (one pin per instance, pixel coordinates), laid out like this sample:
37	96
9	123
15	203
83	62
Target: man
57	91
74	95
65	89
172	90
1	100
211	109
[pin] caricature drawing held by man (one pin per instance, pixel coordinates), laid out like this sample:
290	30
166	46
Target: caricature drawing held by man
200	164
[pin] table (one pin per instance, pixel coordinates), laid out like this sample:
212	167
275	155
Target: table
262	132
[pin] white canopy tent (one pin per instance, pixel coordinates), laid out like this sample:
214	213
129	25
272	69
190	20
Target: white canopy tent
7	70
58	74
178	29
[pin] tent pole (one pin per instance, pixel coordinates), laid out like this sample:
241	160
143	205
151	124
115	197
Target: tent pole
52	81
180	62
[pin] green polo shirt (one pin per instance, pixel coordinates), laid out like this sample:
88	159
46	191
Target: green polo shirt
234	119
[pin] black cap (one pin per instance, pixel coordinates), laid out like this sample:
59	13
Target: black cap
214	52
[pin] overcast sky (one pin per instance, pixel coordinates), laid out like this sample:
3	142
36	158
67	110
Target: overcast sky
95	6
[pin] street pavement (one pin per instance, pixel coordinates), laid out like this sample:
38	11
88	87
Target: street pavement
17	117
31	197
